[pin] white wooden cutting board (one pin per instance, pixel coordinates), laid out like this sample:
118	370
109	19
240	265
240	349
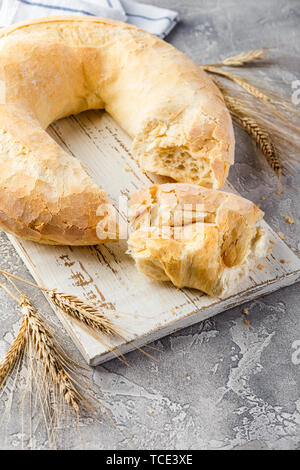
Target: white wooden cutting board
107	275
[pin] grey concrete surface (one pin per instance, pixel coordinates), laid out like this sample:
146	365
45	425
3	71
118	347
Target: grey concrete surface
220	384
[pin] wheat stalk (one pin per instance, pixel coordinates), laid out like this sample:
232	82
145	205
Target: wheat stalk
89	316
263	140
257	132
35	336
55	375
85	313
13	355
254	128
244	58
39	337
239	81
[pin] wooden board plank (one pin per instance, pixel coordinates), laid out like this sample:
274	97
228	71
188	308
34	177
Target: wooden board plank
107	276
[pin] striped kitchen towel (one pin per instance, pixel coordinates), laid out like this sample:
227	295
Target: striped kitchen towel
156	20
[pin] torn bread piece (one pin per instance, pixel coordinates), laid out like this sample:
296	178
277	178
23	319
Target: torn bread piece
194	237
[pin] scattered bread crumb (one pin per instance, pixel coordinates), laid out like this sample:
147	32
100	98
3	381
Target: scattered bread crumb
263	198
151	412
282	261
281	235
289	219
128	169
245	311
269	250
246	322
272	241
279	191
260	267
293	249
172	311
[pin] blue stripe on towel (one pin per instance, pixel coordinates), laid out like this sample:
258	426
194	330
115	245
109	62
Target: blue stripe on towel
150	19
36	4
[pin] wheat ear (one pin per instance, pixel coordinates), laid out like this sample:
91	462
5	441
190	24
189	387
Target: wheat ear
85	313
54	361
76	308
244	58
257	132
93	319
13	355
53	373
239	81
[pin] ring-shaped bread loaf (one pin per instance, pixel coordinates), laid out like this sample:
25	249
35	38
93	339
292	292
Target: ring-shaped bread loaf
53	67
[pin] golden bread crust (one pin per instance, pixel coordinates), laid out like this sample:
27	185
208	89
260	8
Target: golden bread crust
51	68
